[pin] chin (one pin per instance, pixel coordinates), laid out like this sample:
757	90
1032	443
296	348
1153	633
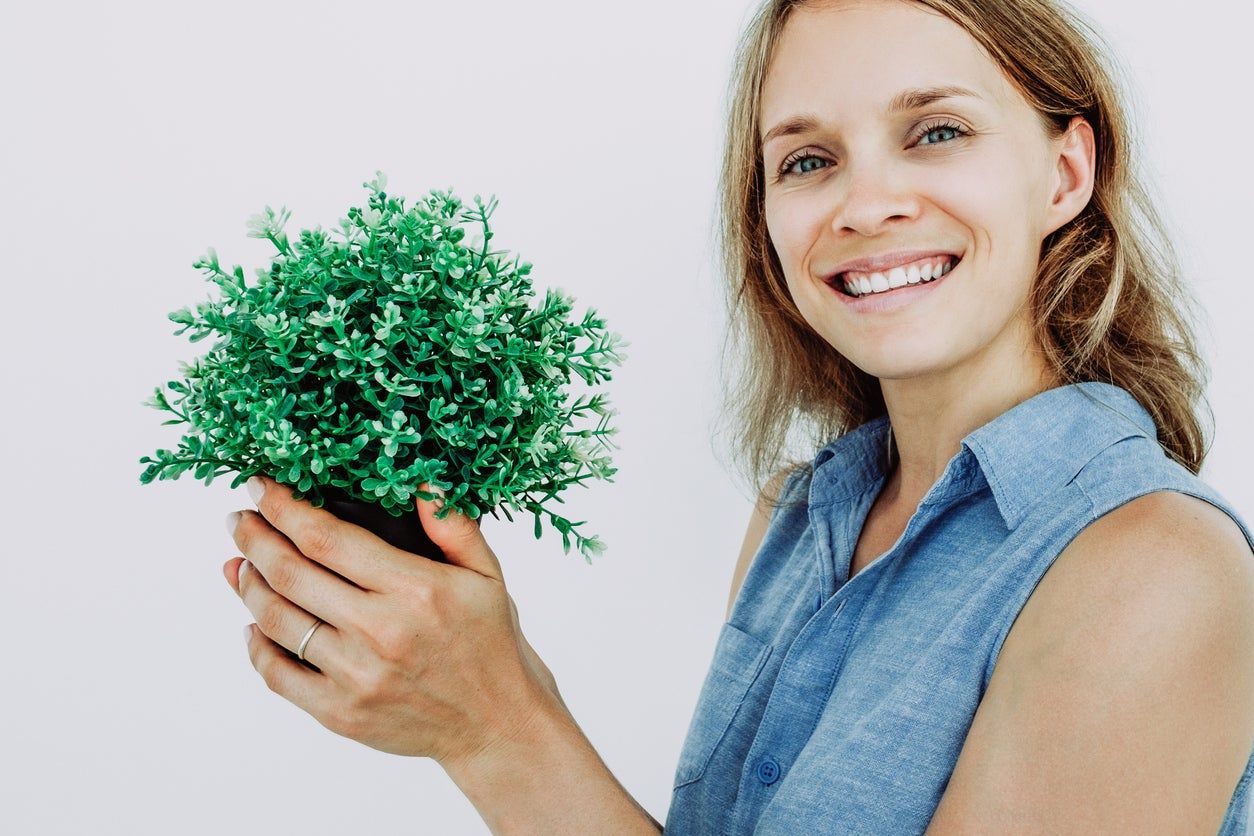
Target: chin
900	364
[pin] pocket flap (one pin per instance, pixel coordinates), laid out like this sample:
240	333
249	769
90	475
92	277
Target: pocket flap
738	659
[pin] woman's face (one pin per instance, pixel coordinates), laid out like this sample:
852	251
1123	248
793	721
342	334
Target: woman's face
974	175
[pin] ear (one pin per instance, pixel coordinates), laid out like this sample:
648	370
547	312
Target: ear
1074	174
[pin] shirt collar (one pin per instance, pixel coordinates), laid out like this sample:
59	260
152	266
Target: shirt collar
1024	453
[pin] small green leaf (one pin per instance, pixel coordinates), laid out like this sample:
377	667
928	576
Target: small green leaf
392	315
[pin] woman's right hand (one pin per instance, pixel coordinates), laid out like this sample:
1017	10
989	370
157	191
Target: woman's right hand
417	657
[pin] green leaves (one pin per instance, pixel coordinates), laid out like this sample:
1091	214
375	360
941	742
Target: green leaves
396	349
268	225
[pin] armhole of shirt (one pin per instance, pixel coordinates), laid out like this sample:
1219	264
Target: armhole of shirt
788	494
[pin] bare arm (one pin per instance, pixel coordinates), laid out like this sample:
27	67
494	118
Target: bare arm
549	780
1121	699
758	522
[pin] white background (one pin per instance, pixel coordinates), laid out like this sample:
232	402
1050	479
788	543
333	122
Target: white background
136	135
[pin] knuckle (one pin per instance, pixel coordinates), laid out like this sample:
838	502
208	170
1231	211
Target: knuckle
408	614
361	681
273	509
441	608
269	619
243	534
320	539
397	647
430	607
269	671
424	595
341	722
388	644
392	629
283	576
378	689
360	620
368	685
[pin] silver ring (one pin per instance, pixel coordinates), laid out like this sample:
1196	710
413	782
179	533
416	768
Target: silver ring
304	642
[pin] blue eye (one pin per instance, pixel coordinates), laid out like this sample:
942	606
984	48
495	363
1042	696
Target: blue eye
794	160
943	126
928	130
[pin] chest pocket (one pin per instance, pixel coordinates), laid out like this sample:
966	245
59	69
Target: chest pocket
738	659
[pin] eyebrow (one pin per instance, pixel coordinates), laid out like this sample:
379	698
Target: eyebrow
906	100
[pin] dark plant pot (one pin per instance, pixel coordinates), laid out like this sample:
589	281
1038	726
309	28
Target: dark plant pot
404	532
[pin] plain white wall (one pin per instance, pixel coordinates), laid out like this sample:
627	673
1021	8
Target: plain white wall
136	135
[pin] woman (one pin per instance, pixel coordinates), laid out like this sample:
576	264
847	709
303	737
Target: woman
1019	611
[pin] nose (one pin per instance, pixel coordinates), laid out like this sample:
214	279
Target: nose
875	196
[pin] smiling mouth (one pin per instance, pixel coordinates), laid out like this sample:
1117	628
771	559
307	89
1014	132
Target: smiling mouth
913	277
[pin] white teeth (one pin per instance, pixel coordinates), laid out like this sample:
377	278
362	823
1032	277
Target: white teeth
862	284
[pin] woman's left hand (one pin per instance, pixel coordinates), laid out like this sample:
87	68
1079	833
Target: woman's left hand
416	657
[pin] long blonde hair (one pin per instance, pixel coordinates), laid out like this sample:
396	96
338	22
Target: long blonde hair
1108	302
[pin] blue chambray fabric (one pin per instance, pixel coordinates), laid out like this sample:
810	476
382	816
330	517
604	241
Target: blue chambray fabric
841	707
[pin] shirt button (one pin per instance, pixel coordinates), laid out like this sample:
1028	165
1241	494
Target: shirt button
768	770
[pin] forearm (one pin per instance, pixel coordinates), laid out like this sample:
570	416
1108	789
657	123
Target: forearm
550	780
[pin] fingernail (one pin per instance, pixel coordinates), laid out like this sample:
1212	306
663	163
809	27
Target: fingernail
232	520
239	574
248	634
255	488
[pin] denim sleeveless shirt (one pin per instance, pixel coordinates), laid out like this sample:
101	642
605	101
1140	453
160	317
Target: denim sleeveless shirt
840	706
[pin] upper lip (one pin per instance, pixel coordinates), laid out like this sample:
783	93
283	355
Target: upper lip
886	261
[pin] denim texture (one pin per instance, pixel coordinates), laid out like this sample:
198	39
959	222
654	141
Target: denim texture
841	707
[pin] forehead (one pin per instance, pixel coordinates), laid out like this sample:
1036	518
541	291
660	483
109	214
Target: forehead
849	59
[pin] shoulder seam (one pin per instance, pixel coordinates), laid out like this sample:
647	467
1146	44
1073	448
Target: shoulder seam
1090	515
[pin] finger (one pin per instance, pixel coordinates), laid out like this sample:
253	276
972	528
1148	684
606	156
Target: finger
310	691
347	549
295	577
285	624
458	536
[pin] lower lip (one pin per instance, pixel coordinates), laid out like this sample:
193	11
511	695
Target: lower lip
898	297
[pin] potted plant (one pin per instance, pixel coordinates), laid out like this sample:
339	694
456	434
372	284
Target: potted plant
408	352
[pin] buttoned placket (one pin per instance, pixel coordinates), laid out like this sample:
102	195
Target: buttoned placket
823	642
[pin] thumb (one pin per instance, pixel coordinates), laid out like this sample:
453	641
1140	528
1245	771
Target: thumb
458	536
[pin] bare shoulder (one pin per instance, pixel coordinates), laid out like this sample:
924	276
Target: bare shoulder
1166	552
1121	700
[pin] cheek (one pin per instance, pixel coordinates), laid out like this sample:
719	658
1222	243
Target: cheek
995	196
981	191
1008	187
793	228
